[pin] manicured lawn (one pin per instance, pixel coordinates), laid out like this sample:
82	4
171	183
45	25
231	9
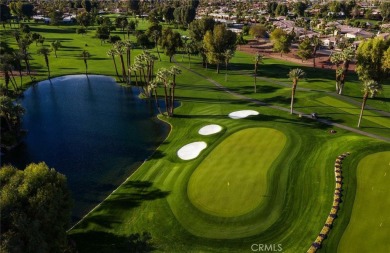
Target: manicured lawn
232	180
367	115
369	227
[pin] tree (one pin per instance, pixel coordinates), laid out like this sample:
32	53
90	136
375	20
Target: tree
81	31
112	53
299	8
305	49
5	14
240	40
156	35
168	78
35	209
174	71
6	66
258	31
281	41
385	10
45	52
294	75
85	56
55	17
258	59
197	31
27	10
55	45
281	10
12	114
386	60
85	19
342	60
316	42
228	54
217	42
369	57
163	76
102	33
168	14
184	15
170	41
134	6
370	89
120	50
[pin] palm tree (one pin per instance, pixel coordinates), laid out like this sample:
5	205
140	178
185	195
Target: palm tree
227	55
295	75
55	45
156	34
342	60
128	45
85	55
45	52
370	89
17	59
120	51
6	68
153	86
163	75
258	59
174	71
112	53
316	45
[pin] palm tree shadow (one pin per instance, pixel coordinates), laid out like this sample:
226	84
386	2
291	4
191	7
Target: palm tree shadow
105	242
130	195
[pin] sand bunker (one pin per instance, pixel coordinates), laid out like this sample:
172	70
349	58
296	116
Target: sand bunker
242	114
191	150
210	129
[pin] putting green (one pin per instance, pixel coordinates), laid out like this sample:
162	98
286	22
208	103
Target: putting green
369	227
346	107
232	179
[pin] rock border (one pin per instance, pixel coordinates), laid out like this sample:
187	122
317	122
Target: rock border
336	205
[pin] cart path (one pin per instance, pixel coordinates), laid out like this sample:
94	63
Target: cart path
258	102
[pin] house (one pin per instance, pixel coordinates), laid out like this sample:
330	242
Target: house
359	34
329	42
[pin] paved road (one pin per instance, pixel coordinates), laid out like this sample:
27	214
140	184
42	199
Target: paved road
258	102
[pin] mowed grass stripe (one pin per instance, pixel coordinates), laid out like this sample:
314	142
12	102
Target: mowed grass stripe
369	227
343	106
232	180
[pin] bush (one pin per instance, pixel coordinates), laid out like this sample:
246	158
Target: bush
114	38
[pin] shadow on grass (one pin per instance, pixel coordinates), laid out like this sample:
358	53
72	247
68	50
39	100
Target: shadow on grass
211	100
279	100
134	194
105	242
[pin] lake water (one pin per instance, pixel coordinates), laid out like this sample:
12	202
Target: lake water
93	130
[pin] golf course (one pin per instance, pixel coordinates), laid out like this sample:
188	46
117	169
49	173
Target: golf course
265	177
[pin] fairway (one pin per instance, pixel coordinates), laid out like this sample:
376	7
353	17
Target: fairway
343	106
232	180
369	227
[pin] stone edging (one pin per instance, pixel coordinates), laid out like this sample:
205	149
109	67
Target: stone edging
336	203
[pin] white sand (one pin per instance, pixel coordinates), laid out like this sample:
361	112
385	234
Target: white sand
242	114
210	129
191	150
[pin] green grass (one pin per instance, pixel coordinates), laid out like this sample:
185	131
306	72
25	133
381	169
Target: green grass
300	180
367	115
225	182
369	228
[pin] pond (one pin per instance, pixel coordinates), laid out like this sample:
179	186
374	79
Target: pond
93	130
